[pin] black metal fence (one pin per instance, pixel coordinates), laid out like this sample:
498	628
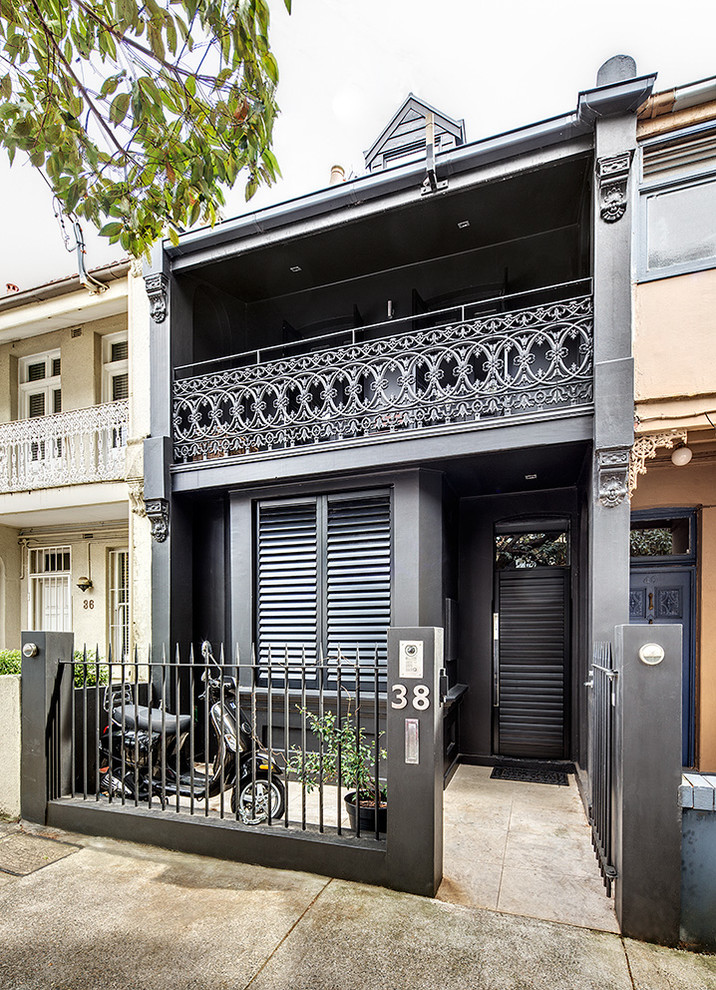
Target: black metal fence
256	742
603	704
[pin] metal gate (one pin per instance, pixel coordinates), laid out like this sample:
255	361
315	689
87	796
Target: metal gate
601	758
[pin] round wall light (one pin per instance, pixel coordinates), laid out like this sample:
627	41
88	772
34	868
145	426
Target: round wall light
681	456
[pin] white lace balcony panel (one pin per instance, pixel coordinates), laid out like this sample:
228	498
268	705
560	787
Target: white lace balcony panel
529	361
68	448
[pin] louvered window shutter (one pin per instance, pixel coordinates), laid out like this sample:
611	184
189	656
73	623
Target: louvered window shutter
287	581
324	577
357	576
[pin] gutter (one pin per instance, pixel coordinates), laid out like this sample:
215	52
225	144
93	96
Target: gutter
64	286
679	98
603	101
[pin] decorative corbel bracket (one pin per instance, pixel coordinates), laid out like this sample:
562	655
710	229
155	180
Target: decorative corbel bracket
645	447
613	175
157	511
135	488
156	284
612	475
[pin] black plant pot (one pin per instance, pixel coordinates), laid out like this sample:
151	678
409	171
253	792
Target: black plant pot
366	813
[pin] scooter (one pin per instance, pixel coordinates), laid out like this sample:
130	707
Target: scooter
142	748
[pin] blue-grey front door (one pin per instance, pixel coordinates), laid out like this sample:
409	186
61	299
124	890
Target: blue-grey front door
665	595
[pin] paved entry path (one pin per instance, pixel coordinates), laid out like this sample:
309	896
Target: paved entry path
522	848
105	915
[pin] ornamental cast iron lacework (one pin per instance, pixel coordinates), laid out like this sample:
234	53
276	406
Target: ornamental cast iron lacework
67	448
525	361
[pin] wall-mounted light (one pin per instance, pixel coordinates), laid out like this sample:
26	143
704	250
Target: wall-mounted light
681	456
84	584
295	268
463	224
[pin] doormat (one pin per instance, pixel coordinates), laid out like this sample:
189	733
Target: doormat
22	854
531	776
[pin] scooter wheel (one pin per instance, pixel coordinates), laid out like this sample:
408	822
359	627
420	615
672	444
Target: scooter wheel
254	802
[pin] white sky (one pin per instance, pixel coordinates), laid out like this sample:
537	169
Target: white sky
347	65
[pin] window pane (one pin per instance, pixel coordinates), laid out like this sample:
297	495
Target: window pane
120	387
36	372
55	367
37	405
680	225
665	538
515	551
57	400
120	351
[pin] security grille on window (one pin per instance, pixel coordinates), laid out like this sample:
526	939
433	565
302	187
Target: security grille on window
50	599
323	577
119	603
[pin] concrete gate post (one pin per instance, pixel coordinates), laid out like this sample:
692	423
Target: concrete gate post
415	760
45	721
648	774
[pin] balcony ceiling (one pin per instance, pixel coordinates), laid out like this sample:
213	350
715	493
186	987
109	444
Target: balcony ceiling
523	205
504	472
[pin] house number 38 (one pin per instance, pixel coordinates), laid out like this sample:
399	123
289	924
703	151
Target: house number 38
420	699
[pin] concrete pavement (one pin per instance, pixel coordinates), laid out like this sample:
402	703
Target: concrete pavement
78	912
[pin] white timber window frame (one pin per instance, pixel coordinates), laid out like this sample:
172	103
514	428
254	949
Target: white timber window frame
118	604
49	591
115	366
39	378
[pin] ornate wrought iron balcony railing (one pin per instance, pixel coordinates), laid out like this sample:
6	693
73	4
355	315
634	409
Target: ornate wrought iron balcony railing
68	448
526	361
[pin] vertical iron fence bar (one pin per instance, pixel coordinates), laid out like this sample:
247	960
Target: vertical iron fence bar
286	720
136	726
177	735
237	732
192	709
320	737
376	730
357	737
150	754
85	755
206	734
97	730
303	737
339	755
222	737
269	699
254	679
124	728
73	755
110	741
163	747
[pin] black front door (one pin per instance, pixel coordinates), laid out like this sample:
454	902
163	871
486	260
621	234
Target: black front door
530	672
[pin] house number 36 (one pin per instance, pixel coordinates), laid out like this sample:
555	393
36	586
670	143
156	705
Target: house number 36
420	699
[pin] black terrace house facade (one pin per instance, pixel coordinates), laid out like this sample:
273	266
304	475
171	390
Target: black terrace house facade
407	400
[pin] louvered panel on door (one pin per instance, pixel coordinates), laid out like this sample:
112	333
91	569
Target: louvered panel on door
358	575
533	638
287	580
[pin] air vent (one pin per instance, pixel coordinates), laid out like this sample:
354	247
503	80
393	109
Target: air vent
88	536
76	332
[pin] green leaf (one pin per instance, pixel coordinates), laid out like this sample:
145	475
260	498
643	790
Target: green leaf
119	108
111	229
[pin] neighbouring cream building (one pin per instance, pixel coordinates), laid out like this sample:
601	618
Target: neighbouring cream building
674	504
74	408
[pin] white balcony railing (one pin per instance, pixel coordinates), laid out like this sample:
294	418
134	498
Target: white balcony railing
69	448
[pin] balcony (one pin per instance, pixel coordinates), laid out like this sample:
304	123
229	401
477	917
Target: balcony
446	370
69	448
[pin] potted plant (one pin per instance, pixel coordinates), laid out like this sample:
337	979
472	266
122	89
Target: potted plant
346	755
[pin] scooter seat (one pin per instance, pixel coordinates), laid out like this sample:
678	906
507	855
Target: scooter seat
137	717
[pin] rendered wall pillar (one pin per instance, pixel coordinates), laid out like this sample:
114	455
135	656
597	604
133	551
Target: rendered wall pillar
648	775
415	760
45	736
